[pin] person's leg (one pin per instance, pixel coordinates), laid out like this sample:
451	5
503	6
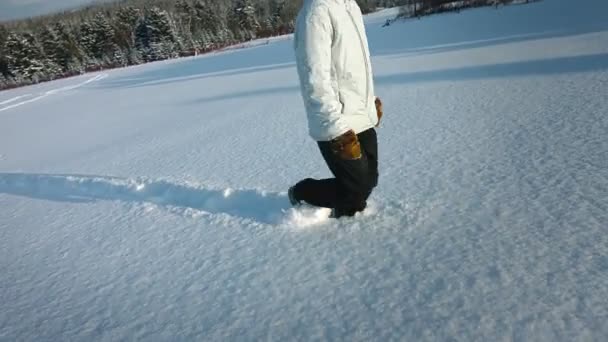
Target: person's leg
369	146
346	192
317	192
354	179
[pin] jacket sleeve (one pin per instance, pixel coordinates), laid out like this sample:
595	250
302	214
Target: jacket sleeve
314	61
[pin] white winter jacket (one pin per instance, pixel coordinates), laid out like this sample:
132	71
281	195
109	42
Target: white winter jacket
334	67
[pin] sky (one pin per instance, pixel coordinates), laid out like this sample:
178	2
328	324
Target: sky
15	9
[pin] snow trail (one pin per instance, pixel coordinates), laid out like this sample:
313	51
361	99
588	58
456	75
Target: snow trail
255	205
47	93
14	99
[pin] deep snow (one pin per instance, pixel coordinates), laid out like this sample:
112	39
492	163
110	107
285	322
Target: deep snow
149	202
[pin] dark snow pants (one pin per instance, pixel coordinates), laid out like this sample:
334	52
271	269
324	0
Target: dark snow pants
354	180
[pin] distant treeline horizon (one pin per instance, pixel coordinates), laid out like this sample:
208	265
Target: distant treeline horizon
132	32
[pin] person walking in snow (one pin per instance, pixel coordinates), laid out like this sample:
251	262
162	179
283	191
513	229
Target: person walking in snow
334	68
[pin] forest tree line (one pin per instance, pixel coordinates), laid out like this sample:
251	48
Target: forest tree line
131	32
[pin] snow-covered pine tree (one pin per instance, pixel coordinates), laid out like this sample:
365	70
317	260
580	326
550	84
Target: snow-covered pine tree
266	28
56	46
25	58
142	40
244	22
184	14
103	33
177	39
278	18
48	69
16	54
69	54
156	37
86	39
3	82
206	24
4	72
287	11
125	24
49	41
162	33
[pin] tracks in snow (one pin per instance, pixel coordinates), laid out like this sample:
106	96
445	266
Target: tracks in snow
15	101
251	205
254	205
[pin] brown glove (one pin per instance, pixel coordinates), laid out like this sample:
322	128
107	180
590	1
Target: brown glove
378	110
347	146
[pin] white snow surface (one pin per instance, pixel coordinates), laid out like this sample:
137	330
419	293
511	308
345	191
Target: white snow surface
149	203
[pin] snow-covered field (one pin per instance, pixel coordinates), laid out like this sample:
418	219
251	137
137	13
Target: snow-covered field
149	203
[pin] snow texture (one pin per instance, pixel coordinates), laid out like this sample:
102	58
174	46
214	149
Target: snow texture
149	203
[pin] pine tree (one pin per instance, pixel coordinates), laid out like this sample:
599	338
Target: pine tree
280	19
42	68
3	36
16	56
244	19
4	71
60	47
25	58
49	41
3	82
206	25
184	14
225	36
87	42
161	33
126	22
287	11
69	55
103	34
142	40
155	36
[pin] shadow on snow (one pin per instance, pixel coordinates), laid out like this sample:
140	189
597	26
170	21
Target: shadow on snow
253	205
